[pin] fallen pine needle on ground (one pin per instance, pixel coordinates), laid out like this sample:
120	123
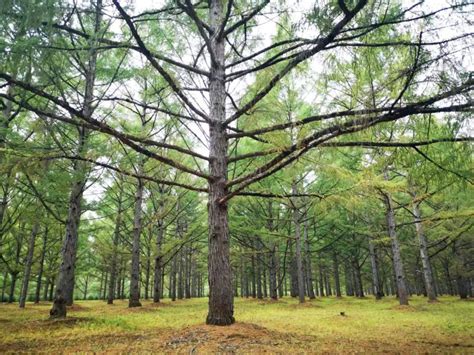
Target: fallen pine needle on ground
321	325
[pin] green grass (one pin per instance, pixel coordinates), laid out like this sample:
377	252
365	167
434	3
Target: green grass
316	326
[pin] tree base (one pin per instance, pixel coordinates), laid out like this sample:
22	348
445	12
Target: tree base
222	321
110	301
132	304
59	309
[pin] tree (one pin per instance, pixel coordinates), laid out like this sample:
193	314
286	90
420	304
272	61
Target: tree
231	51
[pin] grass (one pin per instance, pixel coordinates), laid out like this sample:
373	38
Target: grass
282	326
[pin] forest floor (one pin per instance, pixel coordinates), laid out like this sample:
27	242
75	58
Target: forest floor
262	326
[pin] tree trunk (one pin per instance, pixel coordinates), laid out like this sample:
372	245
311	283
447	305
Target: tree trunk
221	301
348	279
28	263
116	240
298	251
134	300
65	282
377	285
41	266
308	270
13	277
397	259
158	259
337	283
425	258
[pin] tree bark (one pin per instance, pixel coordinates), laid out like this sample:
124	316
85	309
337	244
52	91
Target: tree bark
28	263
65	282
397	258
134	300
308	270
298	249
41	266
221	301
336	274
116	240
425	257
376	282
158	258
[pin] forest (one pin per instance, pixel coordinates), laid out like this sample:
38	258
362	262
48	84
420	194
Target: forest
241	176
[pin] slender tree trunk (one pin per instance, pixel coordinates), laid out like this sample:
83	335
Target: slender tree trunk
221	301
13	277
157	289
258	271
425	258
378	292
4	286
298	242
116	240
134	300
337	283
397	258
86	284
348	279
28	263
147	272
308	270
41	266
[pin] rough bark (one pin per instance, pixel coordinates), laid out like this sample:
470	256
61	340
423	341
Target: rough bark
65	282
116	240
307	268
397	258
41	266
376	281
158	258
221	301
298	248
134	299
425	258
28	263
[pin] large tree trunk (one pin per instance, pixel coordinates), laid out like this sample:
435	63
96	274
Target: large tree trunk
134	300
28	263
221	301
41	266
397	258
425	258
65	282
298	249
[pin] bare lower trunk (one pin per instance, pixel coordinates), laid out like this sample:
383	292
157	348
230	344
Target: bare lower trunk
65	282
221	302
377	285
28	263
116	240
298	250
134	300
336	274
425	258
41	266
308	270
397	258
158	263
